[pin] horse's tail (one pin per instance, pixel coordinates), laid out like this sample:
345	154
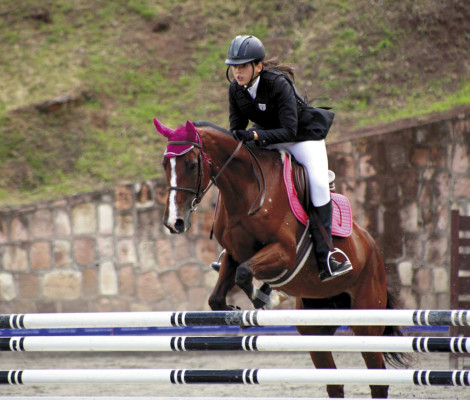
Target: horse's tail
396	360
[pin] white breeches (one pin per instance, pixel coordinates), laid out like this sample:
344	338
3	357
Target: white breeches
311	154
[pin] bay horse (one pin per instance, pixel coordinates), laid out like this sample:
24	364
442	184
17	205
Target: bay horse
262	242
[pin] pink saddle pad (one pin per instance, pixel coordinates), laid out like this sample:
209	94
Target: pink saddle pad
342	223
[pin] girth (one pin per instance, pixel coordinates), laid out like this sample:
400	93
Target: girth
303	250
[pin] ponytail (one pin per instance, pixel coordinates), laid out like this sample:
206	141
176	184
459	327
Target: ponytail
272	64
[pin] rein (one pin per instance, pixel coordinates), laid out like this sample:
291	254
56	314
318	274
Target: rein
201	193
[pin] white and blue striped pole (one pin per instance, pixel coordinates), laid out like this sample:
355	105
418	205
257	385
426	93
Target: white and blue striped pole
238	376
240	318
397	344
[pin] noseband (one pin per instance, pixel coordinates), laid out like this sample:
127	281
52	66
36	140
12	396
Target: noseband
199	194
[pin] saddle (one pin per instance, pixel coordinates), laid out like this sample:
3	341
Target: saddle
295	179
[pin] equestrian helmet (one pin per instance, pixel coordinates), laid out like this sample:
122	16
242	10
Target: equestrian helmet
245	49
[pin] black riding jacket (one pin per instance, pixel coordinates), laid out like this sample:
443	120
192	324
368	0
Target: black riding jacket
273	111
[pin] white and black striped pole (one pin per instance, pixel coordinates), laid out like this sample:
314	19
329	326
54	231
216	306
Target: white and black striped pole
238	376
237	318
237	343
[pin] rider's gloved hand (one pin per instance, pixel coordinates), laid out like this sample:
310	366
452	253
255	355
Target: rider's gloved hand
244	136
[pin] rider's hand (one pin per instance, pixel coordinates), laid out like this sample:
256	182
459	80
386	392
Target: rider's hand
244	136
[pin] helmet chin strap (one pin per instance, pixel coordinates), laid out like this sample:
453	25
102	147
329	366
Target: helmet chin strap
248	85
253	77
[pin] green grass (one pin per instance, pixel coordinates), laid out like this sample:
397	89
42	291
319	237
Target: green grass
144	8
356	56
436	101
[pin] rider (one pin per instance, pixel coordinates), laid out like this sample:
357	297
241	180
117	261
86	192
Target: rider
262	93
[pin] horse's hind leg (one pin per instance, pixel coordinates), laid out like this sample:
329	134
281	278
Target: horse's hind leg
374	360
323	359
371	293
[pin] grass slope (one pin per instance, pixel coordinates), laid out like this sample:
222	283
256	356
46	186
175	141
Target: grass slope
108	67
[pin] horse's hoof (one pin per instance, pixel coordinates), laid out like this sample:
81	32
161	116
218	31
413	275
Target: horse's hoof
259	304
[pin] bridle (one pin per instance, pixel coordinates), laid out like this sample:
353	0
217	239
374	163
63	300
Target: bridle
200	193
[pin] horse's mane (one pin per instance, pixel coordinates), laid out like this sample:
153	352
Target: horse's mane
258	150
201	124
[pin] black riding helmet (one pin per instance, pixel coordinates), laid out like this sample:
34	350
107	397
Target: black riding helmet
245	49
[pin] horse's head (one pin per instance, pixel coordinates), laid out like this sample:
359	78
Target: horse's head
184	164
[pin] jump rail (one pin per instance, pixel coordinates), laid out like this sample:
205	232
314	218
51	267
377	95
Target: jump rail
238	376
183	398
236	343
240	318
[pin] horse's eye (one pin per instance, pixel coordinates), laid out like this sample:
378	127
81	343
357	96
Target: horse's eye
191	165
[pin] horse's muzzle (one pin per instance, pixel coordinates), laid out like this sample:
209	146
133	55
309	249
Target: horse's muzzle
178	227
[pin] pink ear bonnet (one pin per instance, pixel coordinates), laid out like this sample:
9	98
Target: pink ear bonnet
186	133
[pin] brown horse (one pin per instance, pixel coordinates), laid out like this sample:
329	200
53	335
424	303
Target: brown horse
263	244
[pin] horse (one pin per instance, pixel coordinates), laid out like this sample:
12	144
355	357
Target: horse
256	227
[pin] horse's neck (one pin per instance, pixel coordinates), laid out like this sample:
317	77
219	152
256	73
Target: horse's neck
236	176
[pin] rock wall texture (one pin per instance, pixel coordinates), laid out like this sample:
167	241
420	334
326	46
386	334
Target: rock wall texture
105	251
402	186
109	251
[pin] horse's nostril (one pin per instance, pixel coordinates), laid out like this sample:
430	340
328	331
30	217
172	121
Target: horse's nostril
179	225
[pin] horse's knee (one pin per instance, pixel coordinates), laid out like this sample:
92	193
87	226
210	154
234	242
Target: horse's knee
243	276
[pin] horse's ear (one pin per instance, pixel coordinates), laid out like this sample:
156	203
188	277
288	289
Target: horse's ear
191	131
165	131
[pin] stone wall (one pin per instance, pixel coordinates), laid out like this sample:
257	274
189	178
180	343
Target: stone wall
402	186
105	251
108	251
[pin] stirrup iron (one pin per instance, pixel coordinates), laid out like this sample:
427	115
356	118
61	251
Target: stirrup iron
338	273
216	264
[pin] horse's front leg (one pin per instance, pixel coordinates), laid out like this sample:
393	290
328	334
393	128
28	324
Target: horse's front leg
267	263
225	282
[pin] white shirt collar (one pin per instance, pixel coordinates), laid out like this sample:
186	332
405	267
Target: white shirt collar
254	88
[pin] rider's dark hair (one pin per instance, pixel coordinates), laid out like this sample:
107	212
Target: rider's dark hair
273	64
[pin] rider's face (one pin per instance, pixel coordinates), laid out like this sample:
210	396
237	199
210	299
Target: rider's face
245	72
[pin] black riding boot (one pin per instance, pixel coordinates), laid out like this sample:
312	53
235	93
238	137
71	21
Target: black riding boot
321	247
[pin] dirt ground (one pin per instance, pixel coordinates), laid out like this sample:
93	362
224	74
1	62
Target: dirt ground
206	360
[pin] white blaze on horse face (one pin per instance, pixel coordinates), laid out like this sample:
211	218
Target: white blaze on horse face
172	206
